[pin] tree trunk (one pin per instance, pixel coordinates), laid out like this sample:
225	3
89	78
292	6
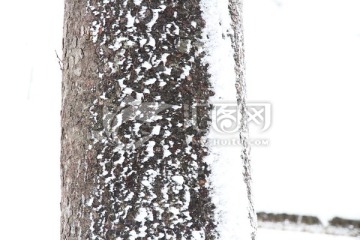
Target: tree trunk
132	160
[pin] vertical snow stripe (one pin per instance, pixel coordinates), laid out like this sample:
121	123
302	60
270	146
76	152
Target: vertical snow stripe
223	45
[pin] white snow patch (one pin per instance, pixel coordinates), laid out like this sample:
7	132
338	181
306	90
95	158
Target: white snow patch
167	71
156	130
150	148
198	235
150	81
142	42
194	24
127	90
130	20
164	57
146	183
178	179
186	72
155	16
141	215
152	42
147	65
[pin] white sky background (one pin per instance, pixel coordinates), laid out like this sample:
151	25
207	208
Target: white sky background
302	56
30	86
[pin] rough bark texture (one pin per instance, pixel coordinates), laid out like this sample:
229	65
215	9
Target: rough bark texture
79	89
131	164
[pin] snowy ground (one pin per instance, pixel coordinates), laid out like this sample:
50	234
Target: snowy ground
269	234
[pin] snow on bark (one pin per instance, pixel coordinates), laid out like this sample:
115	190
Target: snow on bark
150	179
223	39
133	72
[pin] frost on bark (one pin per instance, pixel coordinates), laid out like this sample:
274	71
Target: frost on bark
132	161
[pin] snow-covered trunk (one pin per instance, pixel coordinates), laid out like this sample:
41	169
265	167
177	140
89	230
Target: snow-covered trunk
136	110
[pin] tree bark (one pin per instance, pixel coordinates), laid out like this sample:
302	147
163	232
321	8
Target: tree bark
132	160
122	176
